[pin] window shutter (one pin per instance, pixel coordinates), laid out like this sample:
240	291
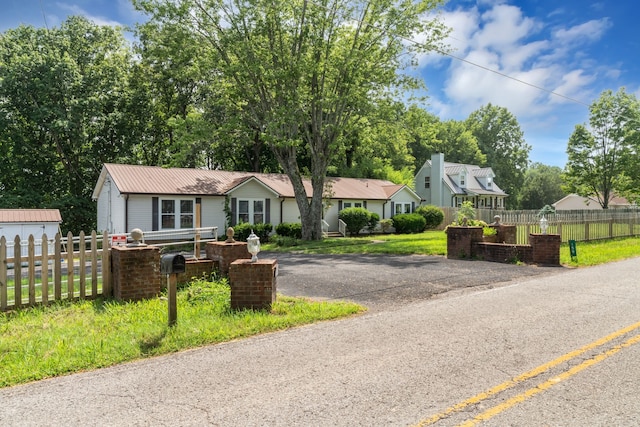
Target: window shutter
413	207
393	209
364	203
154	214
234	211
267	211
339	205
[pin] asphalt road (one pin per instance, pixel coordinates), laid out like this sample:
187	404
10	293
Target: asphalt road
532	347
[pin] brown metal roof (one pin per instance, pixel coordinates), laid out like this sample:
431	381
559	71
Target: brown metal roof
136	179
30	215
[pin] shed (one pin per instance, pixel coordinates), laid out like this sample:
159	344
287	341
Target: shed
26	222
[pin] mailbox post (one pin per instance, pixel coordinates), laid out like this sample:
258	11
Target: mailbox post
172	265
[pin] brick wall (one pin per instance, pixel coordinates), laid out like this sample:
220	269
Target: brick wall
253	284
226	253
546	248
505	233
196	268
460	240
500	252
135	272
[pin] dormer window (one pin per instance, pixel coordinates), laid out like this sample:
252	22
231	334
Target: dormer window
489	182
462	180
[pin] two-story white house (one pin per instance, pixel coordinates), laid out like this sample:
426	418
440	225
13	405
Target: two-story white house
447	184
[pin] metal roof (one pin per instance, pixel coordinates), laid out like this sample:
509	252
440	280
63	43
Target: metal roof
30	215
137	179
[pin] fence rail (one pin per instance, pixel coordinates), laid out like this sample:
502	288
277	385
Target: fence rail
63	268
73	267
579	225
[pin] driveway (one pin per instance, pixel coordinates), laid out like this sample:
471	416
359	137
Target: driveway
382	282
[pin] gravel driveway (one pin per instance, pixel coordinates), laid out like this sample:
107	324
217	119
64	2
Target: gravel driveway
384	281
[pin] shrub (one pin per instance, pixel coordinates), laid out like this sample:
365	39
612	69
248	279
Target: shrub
243	230
374	218
466	211
289	229
433	215
355	218
409	223
284	241
386	224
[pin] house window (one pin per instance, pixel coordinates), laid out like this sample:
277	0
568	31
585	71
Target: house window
427	182
251	210
176	214
402	208
462	180
346	205
489	182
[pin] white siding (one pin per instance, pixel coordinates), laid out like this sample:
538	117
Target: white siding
140	211
291	212
213	215
110	209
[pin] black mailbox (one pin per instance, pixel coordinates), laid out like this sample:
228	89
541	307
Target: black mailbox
172	264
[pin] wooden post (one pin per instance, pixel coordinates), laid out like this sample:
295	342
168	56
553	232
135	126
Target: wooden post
3	273
17	272
82	271
32	270
172	282
196	245
45	269
70	265
57	268
94	264
106	266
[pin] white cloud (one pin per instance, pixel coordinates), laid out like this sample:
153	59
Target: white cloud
73	9
504	55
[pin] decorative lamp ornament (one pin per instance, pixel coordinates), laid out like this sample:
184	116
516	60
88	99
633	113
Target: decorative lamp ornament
137	236
253	246
544	224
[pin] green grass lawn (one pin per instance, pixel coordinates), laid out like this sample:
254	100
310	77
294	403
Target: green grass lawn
41	342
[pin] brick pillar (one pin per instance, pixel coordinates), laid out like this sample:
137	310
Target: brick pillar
253	284
136	272
546	248
460	241
225	253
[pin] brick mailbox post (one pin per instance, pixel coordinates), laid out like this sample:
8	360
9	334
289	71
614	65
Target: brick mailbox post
253	284
546	248
136	272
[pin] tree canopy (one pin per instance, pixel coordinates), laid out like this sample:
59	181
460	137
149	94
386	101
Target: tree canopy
603	156
301	71
502	141
63	112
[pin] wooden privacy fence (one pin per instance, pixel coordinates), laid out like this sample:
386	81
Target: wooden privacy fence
53	270
579	225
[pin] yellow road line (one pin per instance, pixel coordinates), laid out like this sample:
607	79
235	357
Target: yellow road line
526	376
492	412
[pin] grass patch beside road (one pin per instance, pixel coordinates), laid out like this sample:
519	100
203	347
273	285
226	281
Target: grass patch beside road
435	243
427	243
41	342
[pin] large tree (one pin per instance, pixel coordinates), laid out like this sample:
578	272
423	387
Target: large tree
63	112
502	141
302	70
542	186
602	157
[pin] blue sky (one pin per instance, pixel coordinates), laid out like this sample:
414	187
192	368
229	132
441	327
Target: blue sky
574	48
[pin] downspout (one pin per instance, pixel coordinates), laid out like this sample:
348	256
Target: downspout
384	205
281	209
126	213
